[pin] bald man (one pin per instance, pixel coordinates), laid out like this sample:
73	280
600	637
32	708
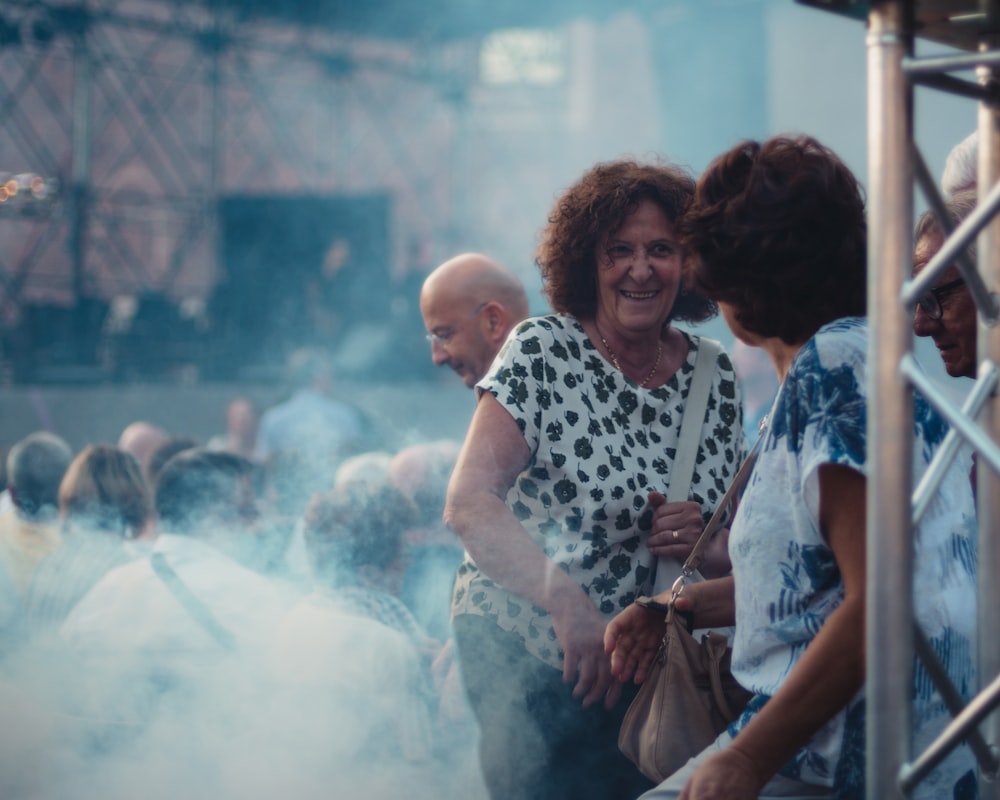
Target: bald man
469	305
141	439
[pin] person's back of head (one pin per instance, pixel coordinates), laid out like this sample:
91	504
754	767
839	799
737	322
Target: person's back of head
354	528
167	450
104	490
422	472
35	467
242	421
141	439
778	229
199	489
362	470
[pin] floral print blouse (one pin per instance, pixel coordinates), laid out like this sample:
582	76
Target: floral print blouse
599	444
787	580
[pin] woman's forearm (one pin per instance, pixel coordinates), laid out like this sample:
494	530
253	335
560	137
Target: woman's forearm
832	668
711	601
829	674
505	553
716	563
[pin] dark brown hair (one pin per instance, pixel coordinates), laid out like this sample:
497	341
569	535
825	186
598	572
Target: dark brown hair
777	230
594	208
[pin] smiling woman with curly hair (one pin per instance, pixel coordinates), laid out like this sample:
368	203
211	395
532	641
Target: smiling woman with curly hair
559	494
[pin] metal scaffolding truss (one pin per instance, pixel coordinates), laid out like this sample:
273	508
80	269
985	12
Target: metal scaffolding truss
894	505
145	112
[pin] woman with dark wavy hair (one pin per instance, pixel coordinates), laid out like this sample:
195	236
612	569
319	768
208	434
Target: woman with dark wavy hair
559	491
776	236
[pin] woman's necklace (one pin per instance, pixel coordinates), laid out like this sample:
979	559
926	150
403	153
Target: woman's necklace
614	357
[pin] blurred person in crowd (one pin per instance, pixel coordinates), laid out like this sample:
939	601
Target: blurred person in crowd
104	501
961	167
353	536
946	312
433	552
758	384
30	532
777	237
358	472
5	502
363	470
350	651
319	428
558	491
141	439
166	450
469	305
203	501
329	304
241	429
283	500
167	650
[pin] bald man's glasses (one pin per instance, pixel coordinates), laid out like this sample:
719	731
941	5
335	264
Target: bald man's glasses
930	301
445	335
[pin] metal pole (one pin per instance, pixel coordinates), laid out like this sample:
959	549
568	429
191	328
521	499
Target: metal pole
988	486
80	190
889	627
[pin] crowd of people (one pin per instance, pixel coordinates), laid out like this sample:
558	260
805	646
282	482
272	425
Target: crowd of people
219	618
294	608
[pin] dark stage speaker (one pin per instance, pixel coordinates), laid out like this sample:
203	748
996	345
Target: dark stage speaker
299	270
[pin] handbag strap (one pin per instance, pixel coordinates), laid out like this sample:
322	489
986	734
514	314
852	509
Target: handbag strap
735	488
693	420
189	600
696	556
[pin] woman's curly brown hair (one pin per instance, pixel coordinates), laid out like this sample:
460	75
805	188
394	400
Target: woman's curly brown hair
592	210
777	230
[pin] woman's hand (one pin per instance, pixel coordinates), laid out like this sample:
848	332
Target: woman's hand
676	528
727	775
632	639
579	627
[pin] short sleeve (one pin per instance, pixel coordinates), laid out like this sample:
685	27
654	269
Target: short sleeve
822	412
519	377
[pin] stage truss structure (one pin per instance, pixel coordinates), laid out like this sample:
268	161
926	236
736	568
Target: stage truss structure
140	114
896	166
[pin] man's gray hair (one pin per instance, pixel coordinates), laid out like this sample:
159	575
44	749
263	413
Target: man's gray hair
35	468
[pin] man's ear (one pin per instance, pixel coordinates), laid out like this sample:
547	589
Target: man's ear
496	320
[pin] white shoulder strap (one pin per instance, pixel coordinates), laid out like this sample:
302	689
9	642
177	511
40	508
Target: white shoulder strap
694	418
682	470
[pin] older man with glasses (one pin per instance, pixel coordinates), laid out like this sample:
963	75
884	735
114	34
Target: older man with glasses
947	312
469	305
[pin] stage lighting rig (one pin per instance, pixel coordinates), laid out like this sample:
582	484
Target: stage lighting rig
27	194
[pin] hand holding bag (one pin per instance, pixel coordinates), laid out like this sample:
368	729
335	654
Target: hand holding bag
687	700
689	695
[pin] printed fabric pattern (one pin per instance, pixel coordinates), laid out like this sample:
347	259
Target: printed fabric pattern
787	580
599	444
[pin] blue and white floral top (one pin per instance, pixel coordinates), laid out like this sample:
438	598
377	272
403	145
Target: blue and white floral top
787	580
